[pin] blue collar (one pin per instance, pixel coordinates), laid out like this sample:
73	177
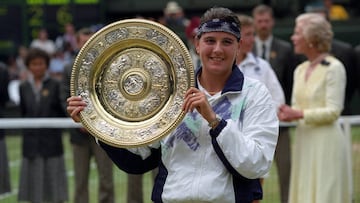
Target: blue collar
234	83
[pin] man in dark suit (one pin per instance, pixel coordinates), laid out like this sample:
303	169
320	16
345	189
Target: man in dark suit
280	55
84	147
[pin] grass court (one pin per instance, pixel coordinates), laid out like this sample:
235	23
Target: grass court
271	191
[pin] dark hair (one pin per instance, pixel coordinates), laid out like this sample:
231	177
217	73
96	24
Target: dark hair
34	53
221	13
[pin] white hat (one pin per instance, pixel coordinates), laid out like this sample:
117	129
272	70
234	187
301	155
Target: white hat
172	7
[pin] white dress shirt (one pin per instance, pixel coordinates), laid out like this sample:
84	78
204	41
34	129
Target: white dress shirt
258	68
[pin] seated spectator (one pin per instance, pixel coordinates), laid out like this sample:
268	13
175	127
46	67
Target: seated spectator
175	19
68	38
43	42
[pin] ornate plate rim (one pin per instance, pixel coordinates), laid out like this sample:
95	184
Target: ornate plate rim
106	132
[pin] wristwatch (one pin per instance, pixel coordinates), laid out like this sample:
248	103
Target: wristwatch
212	124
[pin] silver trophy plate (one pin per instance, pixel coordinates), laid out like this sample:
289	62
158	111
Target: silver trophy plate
133	75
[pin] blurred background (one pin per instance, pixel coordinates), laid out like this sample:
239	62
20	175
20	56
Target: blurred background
22	20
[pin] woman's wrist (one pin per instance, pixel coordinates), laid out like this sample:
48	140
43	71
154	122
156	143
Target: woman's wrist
214	122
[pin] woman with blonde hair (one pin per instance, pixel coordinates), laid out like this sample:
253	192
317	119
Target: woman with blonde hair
320	171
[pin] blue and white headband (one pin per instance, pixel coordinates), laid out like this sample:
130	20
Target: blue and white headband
219	25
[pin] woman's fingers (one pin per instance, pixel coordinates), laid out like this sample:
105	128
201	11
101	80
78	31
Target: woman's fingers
190	97
74	107
75	114
195	99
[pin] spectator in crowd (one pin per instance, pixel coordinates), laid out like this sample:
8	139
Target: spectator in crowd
255	67
5	185
280	55
84	146
321	161
43	42
43	173
231	117
67	41
174	18
345	53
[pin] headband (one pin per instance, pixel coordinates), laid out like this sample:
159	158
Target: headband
219	25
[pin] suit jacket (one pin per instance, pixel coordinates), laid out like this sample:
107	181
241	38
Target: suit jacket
41	142
282	60
77	135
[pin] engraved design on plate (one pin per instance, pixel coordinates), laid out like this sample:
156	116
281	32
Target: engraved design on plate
134	85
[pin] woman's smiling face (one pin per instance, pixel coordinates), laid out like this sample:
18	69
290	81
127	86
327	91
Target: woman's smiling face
217	50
